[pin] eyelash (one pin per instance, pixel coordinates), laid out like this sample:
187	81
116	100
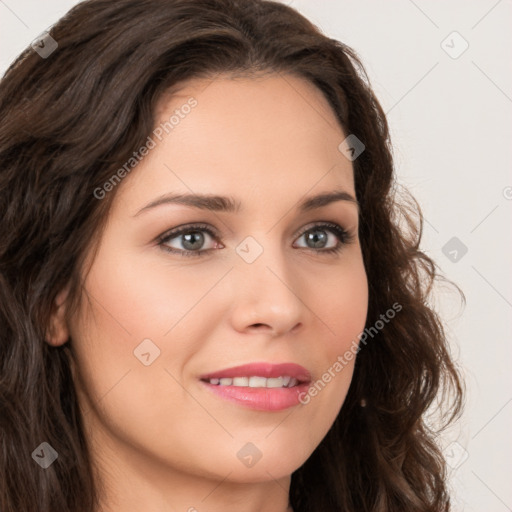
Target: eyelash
344	236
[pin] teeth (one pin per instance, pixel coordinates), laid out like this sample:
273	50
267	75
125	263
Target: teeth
275	383
256	382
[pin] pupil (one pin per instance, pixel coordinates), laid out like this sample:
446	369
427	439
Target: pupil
317	240
193	240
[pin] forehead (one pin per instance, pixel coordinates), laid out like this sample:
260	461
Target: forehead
275	135
264	105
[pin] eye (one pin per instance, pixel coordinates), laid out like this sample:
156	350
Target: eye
317	237
188	239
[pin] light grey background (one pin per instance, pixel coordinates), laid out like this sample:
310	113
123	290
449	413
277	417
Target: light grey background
450	121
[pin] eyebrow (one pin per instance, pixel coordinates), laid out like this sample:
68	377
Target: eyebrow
217	203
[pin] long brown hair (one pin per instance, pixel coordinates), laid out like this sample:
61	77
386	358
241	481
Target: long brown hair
71	119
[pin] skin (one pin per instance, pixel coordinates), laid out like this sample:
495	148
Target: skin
159	440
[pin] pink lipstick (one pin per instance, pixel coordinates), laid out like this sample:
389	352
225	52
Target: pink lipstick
260	386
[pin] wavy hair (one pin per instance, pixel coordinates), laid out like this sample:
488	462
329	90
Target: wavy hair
71	119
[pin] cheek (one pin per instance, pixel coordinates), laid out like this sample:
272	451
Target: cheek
131	302
342	306
149	298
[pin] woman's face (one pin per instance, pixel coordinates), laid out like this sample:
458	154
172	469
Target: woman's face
264	292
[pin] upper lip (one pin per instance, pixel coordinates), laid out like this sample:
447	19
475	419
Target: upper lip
268	370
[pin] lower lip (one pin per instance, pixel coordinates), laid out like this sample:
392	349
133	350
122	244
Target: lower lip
260	399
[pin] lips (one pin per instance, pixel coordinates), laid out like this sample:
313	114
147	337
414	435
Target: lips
260	386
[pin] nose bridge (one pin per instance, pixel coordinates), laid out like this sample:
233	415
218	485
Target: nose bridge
266	290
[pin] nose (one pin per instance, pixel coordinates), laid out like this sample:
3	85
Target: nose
267	296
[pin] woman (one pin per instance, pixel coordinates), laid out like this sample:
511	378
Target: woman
207	302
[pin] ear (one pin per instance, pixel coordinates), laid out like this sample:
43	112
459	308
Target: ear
57	332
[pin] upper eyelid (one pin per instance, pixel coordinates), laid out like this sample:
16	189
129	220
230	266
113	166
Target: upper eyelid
177	231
